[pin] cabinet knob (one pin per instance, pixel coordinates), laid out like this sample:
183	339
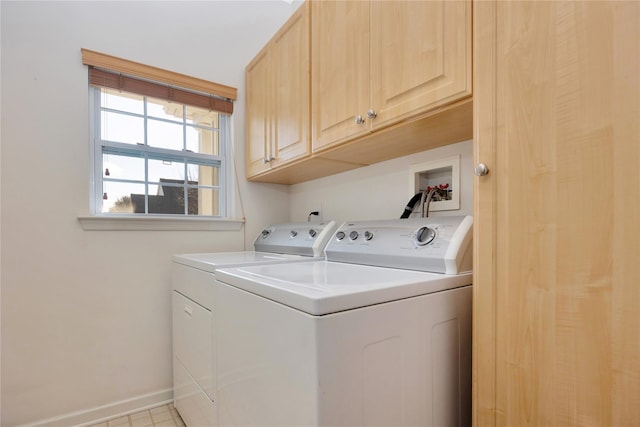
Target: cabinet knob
359	120
372	114
481	169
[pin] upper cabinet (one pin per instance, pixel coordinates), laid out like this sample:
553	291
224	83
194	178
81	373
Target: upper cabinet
345	84
277	101
375	64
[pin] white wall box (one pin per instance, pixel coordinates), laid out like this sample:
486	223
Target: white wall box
435	173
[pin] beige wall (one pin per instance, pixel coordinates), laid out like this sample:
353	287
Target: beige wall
86	314
379	191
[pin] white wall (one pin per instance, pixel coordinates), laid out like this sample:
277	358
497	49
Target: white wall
86	314
379	191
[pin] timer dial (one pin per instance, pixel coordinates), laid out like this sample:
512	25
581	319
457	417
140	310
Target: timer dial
425	235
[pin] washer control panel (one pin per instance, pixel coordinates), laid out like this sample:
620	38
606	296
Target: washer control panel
301	238
437	244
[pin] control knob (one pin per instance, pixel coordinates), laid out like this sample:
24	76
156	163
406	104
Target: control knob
293	233
312	233
368	235
425	235
340	235
353	235
265	233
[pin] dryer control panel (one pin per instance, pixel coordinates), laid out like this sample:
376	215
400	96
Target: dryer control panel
296	238
438	245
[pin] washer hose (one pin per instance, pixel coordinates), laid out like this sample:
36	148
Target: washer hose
409	208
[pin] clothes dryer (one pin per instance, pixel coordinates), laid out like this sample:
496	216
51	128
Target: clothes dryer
379	333
194	317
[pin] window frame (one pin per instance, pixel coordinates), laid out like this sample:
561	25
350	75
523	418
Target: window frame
222	161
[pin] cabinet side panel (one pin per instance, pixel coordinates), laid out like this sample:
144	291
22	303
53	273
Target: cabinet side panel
487	350
625	322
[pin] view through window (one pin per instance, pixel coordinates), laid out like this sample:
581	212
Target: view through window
153	156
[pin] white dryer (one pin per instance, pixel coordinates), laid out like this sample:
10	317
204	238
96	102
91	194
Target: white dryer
377	334
194	318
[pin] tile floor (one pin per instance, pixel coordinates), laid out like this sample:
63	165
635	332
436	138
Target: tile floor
162	416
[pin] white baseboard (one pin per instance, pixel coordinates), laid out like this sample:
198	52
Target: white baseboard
105	412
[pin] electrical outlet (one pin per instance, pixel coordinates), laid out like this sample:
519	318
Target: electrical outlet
315	214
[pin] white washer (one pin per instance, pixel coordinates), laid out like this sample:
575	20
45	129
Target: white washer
194	318
378	334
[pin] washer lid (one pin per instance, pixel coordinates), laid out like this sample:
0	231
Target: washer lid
213	261
323	287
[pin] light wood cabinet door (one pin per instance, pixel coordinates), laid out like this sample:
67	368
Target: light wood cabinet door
340	69
291	104
395	59
420	57
277	103
557	230
259	86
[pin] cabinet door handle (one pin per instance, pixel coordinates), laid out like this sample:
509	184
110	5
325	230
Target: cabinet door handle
372	114
481	169
359	120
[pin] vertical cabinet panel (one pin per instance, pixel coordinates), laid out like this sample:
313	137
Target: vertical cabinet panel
340	61
557	331
291	137
259	88
278	109
420	57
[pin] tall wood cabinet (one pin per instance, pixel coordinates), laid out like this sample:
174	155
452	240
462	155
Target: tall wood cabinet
380	62
557	218
277	101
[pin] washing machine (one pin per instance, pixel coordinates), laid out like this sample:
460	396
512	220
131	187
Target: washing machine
378	334
194	315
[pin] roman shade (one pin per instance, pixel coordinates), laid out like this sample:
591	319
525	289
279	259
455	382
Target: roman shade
121	74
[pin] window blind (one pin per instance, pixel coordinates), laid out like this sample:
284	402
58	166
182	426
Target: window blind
121	74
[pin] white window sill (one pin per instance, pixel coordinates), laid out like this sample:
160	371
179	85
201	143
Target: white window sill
158	223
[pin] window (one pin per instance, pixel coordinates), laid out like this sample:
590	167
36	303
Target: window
158	148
